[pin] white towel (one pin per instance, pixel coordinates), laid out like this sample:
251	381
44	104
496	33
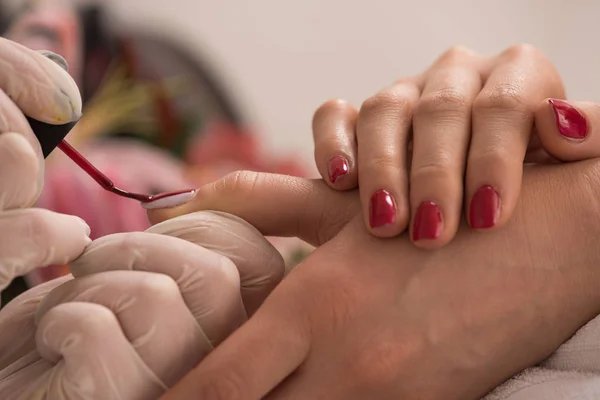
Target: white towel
571	373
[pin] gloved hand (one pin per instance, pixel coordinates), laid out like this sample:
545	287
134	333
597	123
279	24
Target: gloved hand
144	309
34	85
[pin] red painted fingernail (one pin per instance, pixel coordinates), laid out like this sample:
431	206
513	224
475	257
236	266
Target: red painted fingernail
485	208
428	222
382	210
571	123
338	166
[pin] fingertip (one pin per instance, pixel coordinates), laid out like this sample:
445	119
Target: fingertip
334	135
566	129
341	173
491	199
427	226
484	208
157	215
386	214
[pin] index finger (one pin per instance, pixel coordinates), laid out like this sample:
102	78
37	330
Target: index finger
502	122
260	265
34	85
40	87
276	205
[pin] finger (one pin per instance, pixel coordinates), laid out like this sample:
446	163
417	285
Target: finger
382	132
502	124
152	315
208	282
38	238
92	356
41	88
33	84
442	129
334	126
276	205
256	358
260	265
13	120
17	322
20	172
569	130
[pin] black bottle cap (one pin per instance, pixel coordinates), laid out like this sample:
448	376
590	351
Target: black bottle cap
49	135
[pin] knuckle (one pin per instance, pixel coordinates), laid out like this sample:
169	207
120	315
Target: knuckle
155	289
501	98
496	157
384	103
523	50
130	243
380	162
91	320
95	321
335	106
436	167
227	275
237	184
456	54
443	101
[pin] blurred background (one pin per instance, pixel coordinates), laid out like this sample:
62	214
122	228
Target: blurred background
284	58
181	92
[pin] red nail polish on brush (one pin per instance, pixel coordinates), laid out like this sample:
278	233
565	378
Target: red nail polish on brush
428	222
570	122
485	208
382	209
51	136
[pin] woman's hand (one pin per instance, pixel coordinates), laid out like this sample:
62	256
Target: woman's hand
498	303
463	126
145	308
556	121
367	318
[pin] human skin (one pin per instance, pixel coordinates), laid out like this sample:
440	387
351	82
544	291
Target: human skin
370	318
452	139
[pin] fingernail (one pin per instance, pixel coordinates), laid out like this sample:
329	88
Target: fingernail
175	200
428	222
485	208
382	209
338	166
571	123
58	59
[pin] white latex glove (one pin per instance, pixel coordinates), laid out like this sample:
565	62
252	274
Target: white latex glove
143	310
32	84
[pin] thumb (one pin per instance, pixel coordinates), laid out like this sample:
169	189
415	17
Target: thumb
277	205
569	130
90	356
